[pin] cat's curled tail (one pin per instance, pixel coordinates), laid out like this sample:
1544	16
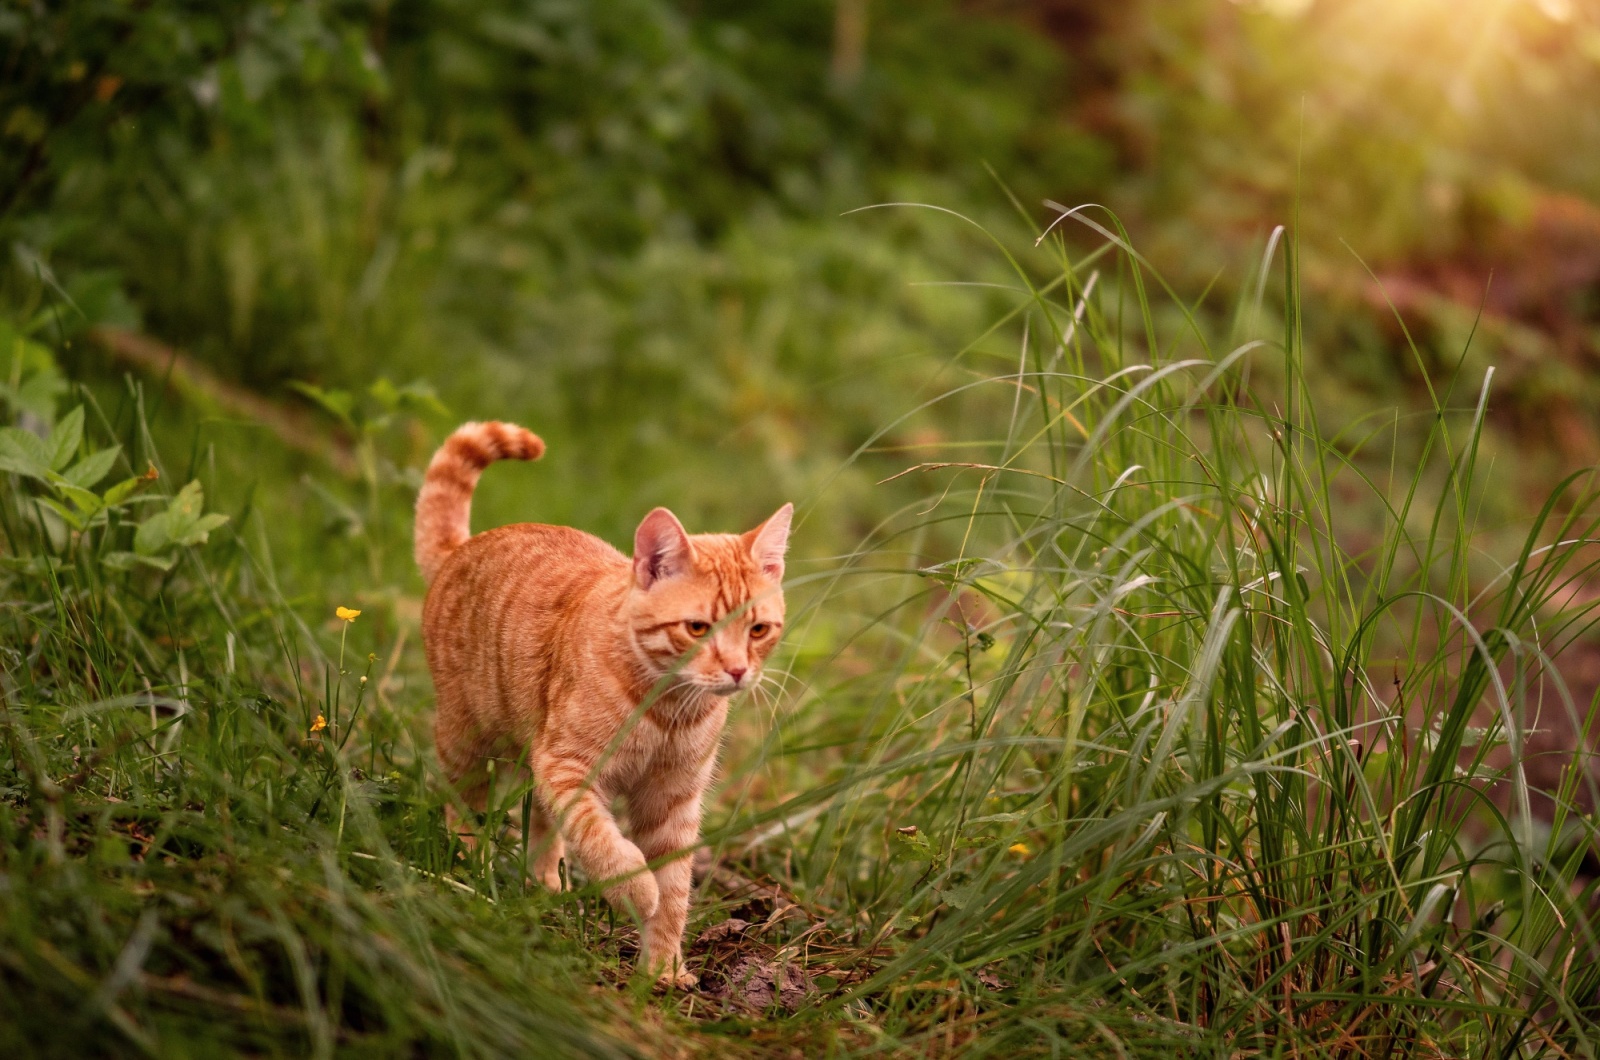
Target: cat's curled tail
444	505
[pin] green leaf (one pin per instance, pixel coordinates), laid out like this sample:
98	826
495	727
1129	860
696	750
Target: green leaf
86	501
416	396
34	566
152	535
189	502
200	530
65	439
71	518
914	847
24	453
419	396
181	524
385	393
128	560
38	394
39	381
92	468
121	491
341	403
962	896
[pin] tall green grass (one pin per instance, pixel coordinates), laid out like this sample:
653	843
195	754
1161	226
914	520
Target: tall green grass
219	836
1208	717
1157	715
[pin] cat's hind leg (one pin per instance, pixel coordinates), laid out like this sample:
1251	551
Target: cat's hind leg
464	826
537	829
546	848
463	762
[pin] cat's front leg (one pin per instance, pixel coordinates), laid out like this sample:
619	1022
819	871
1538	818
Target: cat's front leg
592	834
669	830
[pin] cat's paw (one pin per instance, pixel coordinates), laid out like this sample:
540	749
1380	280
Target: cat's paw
679	978
549	878
664	962
547	871
637	896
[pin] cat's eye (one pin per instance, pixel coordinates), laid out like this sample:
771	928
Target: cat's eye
759	630
697	628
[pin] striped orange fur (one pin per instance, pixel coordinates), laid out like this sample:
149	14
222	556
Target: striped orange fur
545	643
444	506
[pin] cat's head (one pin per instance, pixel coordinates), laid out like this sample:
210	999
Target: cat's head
708	606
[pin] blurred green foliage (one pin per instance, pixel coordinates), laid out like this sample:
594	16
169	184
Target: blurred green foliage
621	221
583	213
618	222
628	225
253	166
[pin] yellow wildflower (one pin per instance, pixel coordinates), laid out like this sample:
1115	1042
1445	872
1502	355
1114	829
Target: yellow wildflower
320	724
349	614
1021	850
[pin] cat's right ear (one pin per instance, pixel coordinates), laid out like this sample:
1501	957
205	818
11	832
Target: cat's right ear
660	549
769	541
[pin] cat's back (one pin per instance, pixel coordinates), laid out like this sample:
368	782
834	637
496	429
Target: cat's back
527	572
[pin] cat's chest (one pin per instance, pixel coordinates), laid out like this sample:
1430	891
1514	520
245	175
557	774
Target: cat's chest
653	755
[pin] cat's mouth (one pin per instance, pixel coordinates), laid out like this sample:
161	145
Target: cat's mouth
722	686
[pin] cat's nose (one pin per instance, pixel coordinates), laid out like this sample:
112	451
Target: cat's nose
737	673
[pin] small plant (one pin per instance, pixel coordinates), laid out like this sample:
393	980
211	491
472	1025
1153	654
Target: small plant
371	415
33	382
74	513
72	504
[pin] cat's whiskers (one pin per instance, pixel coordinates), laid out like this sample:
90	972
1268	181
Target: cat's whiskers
772	674
768	697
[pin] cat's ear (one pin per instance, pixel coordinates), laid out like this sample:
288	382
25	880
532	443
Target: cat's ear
660	549
769	541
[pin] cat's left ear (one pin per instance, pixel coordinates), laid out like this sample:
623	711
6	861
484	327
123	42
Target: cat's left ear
769	541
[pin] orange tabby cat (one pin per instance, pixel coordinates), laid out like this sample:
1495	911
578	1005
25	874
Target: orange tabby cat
544	643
